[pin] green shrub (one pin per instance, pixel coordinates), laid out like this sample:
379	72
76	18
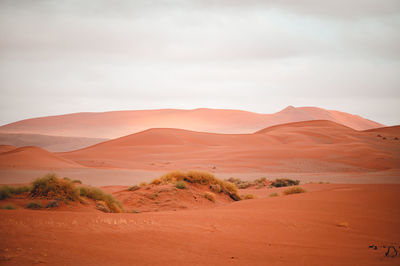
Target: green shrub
284	182
52	204
99	195
210	196
133	188
34	205
274	194
8	207
52	187
294	190
180	185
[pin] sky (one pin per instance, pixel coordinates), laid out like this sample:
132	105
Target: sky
60	57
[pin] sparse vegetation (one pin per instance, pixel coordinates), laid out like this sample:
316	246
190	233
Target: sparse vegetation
6	191
142	184
180	185
242	184
133	188
284	182
210	196
203	178
8	207
52	204
99	195
274	194
248	196
294	190
52	187
34	205
77	181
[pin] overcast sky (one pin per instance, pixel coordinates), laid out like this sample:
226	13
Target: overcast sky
61	57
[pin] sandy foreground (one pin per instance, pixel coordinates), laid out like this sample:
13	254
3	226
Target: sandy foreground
330	224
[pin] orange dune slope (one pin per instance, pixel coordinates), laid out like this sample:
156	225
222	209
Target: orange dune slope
121	123
312	146
31	157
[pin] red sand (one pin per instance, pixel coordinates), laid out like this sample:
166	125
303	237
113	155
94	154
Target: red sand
302	147
121	123
328	225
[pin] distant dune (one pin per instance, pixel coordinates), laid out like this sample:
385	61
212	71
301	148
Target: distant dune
30	157
312	146
50	143
120	123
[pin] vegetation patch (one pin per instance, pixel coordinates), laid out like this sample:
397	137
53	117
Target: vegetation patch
274	194
248	196
7	192
99	195
284	182
202	178
52	187
34	205
294	190
210	196
52	204
8	207
180	185
133	188
77	181
242	184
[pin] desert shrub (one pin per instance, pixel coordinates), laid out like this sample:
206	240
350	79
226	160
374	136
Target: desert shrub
99	195
67	178
156	181
242	184
274	194
248	196
77	181
8	207
142	184
294	190
203	178
5	192
284	182
180	184
34	205
210	196
52	204
133	188
216	188
52	187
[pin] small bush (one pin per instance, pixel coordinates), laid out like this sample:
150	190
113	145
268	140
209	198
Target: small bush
142	184
156	181
180	185
77	181
6	191
294	190
133	188
52	204
34	205
99	195
210	196
274	194
284	182
8	207
52	187
248	196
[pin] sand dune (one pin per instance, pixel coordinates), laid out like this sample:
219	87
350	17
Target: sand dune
31	157
312	146
50	143
121	123
329	225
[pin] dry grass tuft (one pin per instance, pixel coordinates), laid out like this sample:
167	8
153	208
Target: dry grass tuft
248	196
133	188
52	187
210	196
294	190
274	194
99	195
284	182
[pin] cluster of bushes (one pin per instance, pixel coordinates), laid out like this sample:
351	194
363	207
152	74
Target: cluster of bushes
51	187
284	182
242	184
199	177
294	190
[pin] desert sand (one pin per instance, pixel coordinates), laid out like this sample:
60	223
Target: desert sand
331	224
120	123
